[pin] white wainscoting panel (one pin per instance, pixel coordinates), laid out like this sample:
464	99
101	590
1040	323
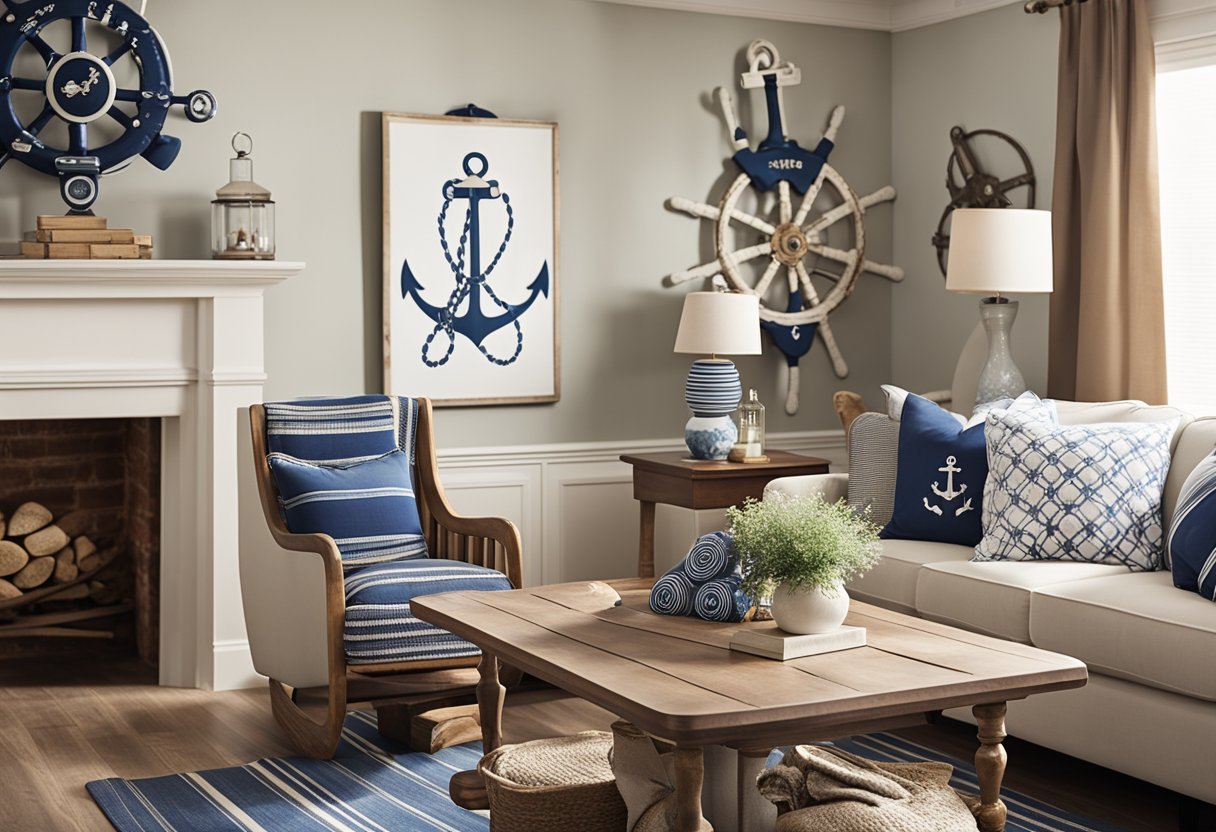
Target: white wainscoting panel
574	506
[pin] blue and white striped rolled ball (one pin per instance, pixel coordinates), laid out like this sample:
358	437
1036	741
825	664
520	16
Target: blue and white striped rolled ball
721	600
672	594
712	388
710	558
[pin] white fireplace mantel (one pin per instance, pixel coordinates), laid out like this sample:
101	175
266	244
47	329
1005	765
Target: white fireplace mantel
177	339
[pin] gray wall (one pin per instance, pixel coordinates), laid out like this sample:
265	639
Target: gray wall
991	70
627	86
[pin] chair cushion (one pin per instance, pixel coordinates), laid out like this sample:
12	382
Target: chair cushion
994	598
340	431
1134	626
367	506
892	583
1075	492
1191	545
379	624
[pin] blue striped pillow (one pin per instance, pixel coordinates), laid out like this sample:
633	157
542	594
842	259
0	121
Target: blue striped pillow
1190	549
366	506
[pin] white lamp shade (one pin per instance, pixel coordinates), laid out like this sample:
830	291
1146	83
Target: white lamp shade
999	251
719	323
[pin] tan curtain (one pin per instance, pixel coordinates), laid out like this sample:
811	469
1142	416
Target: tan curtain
1107	319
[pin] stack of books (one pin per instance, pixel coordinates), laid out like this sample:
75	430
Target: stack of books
76	237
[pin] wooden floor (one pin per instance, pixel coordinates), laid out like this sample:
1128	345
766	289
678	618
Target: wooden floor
65	723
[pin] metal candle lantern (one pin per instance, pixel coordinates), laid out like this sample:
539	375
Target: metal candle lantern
242	213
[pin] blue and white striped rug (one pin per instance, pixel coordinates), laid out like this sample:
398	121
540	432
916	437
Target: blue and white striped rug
375	785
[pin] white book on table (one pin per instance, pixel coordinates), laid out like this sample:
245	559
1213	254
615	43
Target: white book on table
771	642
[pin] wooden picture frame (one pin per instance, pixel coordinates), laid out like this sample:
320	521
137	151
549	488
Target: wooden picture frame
438	173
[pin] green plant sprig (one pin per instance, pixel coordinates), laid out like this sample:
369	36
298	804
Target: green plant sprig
800	541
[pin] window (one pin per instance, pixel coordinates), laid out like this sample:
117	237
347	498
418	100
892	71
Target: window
1186	131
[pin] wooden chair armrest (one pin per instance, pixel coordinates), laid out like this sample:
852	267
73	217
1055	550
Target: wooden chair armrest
462	534
501	531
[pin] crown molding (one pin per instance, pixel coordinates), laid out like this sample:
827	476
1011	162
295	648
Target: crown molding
913	14
853	14
880	15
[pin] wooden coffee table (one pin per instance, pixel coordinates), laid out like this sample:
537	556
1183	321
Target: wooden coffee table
677	679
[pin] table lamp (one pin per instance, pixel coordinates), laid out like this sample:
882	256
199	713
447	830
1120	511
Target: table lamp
714	324
994	251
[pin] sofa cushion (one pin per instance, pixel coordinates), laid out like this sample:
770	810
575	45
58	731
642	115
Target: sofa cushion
873	448
939	479
1134	626
1197	440
994	598
892	583
1190	547
1075	492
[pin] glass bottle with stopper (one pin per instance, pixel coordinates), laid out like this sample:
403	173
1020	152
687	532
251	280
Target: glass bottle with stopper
242	213
750	446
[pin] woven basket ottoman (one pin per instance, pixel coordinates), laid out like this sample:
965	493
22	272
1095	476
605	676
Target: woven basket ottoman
563	784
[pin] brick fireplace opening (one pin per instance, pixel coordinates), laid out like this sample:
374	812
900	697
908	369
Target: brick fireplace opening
90	490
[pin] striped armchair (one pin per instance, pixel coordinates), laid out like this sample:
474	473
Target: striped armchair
354	481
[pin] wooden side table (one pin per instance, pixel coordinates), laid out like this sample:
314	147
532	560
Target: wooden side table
675	479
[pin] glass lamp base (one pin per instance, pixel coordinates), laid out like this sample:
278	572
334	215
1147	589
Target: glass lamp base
1000	378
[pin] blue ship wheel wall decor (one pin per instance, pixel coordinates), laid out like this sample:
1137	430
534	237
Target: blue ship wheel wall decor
788	210
108	122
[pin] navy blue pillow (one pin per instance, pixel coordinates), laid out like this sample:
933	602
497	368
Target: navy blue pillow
367	506
939	482
1191	544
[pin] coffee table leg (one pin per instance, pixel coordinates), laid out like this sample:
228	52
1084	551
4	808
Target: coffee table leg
646	541
990	766
690	776
467	788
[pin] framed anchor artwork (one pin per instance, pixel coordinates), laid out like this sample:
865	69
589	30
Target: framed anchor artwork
470	258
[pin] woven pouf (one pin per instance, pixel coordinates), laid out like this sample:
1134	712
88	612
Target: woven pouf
563	784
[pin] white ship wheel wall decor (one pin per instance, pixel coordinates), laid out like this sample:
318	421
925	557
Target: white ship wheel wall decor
819	247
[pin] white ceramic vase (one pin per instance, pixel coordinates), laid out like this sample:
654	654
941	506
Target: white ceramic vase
810	609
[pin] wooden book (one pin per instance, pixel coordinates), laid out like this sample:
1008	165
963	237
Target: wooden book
51	222
33	251
772	642
68	251
87	235
110	251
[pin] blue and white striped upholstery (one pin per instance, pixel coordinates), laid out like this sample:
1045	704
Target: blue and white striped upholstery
379	624
1191	546
345	467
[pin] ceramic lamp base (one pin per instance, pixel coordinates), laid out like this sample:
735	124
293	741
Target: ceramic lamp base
712	393
710	437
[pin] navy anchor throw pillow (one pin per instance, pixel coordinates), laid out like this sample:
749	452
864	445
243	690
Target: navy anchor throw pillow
939	482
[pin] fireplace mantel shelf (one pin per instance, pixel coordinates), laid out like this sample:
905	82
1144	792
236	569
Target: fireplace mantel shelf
147	278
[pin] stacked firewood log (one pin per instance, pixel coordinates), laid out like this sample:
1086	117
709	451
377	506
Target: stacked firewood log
45	560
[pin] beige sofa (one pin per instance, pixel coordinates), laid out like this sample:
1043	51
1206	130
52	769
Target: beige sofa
1149	709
